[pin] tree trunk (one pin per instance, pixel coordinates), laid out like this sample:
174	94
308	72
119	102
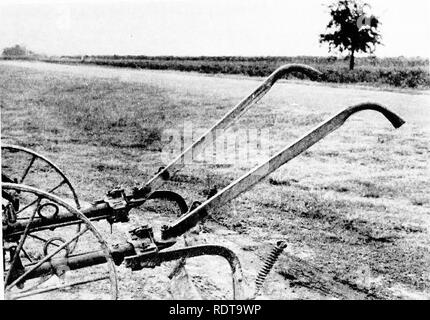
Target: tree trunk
352	60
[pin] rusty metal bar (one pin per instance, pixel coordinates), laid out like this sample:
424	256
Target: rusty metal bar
94	212
260	172
178	163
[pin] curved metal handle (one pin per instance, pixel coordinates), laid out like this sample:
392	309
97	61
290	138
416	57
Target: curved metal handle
395	120
170	196
260	172
289	68
214	250
229	118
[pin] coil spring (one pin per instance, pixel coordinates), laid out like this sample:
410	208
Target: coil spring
268	264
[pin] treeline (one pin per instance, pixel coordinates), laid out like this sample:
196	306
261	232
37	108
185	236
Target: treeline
397	72
372	60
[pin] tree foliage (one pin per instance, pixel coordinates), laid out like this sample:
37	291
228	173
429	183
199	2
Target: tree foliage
17	50
351	29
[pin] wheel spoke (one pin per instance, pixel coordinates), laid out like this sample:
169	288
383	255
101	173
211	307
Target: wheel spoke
38	283
55	188
46	258
41	239
49	191
26	255
12	163
22	240
59	287
27	170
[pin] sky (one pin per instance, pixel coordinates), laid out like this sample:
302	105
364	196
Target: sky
200	27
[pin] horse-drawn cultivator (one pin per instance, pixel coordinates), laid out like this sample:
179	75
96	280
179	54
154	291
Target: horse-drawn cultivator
46	238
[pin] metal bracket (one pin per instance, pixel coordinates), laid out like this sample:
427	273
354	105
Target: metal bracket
117	200
146	249
142	239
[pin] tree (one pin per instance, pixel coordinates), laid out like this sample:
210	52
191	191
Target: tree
16	50
350	29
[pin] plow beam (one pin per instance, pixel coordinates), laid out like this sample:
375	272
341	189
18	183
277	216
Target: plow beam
229	118
251	178
97	211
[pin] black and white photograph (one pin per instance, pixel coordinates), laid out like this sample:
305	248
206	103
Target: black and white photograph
190	150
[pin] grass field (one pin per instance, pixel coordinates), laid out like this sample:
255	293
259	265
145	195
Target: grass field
355	206
394	72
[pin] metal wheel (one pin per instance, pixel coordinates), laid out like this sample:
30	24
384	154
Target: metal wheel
39	262
24	166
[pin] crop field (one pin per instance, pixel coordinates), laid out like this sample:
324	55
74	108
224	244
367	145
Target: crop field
354	209
383	72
